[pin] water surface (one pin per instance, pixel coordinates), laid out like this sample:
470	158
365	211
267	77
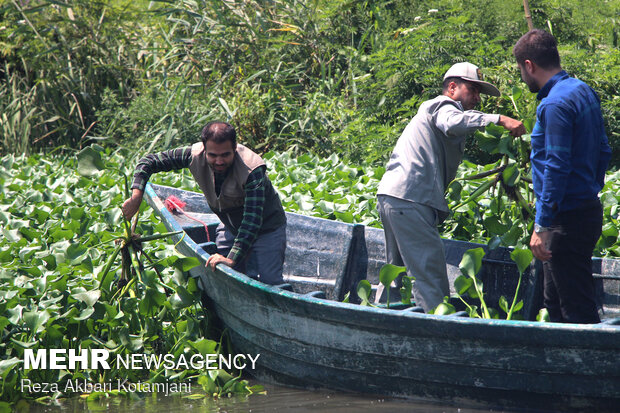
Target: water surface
277	399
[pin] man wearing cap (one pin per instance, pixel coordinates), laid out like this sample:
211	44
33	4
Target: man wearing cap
411	199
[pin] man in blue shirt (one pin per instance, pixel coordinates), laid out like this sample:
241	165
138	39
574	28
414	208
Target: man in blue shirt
570	154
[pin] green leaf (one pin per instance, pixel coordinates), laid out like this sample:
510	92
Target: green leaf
503	304
204	346
5	407
11	235
518	306
88	297
473	311
529	125
494	242
85	314
186	263
7	365
610	230
344	216
513	235
523	257
181	298
90	162
405	290
75	250
493	313
505	146
35	320
389	273
494	225
29	233
444	309
61	234
208	384
454	191
487	142
511	175
76	213
543	316
327	207
608	199
364	290
495	130
6	256
151	301
462	284
471	262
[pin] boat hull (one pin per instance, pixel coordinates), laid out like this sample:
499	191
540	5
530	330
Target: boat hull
312	342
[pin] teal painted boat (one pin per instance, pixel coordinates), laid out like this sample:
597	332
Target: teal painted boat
307	337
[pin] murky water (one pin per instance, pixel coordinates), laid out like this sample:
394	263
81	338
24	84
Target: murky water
278	399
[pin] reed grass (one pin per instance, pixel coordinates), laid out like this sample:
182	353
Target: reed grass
308	75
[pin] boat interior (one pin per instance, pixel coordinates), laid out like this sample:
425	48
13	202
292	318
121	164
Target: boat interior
327	259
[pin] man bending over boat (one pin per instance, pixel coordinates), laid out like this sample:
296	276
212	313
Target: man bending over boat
235	183
570	154
411	199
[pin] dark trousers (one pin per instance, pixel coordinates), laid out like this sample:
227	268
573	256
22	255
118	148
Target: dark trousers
264	261
569	294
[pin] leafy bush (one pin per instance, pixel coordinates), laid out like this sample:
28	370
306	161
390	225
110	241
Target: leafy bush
483	200
321	76
60	279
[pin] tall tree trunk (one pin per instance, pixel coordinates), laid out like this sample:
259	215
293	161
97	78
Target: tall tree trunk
528	15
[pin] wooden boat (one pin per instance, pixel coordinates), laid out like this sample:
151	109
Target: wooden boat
307	338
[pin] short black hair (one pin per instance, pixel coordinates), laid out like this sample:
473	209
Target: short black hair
446	82
539	47
219	132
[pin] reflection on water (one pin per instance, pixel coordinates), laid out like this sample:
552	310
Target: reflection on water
278	399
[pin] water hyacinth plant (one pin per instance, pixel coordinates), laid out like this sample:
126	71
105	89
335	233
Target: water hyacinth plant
60	269
469	285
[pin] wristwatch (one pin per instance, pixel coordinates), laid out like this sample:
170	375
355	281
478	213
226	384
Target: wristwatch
539	229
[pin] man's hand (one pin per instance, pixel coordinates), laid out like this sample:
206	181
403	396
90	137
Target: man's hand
215	259
539	244
131	205
515	127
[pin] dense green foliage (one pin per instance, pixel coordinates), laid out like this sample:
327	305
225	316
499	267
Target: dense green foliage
320	75
59	223
331	188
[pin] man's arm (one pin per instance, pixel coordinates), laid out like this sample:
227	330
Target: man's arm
558	129
158	162
252	214
455	122
250	224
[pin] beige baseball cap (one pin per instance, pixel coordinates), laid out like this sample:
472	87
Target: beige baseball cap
471	73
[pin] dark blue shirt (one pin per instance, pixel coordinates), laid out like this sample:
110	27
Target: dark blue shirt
570	152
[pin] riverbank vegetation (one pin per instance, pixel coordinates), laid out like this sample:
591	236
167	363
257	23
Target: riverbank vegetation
319	76
65	283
